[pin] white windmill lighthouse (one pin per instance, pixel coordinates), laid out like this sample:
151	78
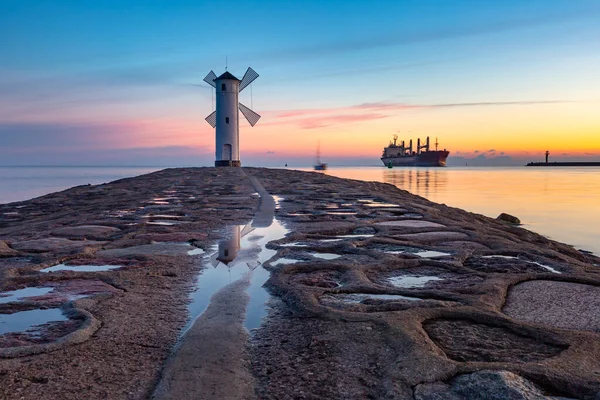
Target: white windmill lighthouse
225	117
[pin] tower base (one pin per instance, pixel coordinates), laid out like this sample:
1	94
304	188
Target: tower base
228	163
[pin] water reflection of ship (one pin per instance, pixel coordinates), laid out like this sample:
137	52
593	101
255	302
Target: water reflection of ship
319	165
416	181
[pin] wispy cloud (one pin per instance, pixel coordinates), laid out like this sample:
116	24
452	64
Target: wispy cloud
314	118
401	37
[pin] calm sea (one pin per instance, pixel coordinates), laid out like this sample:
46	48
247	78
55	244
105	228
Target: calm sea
561	203
22	183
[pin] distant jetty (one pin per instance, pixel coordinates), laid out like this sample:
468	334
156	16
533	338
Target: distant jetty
564	164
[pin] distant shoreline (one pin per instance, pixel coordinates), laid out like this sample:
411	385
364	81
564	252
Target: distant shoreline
564	164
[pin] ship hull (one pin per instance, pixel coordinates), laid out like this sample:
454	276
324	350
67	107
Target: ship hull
425	159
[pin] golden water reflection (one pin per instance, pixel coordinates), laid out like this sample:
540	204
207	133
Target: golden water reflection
561	203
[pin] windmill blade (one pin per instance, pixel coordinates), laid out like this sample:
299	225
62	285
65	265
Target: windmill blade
247	229
248	78
250	115
212	119
212	259
210	79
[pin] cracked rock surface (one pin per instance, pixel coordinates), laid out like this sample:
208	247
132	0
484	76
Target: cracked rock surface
507	317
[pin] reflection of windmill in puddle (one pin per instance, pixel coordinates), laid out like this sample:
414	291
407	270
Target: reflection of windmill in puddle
229	248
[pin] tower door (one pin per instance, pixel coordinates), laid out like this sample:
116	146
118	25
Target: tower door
226	152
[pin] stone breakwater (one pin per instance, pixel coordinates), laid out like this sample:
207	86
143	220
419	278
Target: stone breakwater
375	293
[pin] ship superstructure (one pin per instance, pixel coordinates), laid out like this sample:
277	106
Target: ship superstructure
397	155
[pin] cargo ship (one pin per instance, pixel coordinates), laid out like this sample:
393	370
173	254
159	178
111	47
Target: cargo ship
399	155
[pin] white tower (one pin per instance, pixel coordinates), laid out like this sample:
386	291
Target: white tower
225	117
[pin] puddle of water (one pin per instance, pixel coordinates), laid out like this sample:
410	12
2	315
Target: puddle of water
285	261
325	256
195	252
330	240
546	267
412	215
299	214
376	204
411	281
505	257
294	244
80	268
244	253
361	297
418	252
120	213
167	216
163	223
28	320
432	254
20	294
355	236
277	200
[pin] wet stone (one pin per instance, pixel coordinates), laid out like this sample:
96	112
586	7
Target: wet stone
408	223
463	340
507	264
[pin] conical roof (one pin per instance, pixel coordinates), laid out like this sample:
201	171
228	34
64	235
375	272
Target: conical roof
226	75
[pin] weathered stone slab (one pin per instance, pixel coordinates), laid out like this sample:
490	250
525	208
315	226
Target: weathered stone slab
6	251
563	305
464	340
481	385
434	236
162	249
86	232
54	244
409	223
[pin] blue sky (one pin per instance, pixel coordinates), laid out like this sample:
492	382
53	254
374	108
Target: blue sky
121	81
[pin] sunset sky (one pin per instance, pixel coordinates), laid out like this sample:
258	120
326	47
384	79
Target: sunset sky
119	82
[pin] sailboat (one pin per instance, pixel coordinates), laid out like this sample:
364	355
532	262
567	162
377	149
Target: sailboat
319	166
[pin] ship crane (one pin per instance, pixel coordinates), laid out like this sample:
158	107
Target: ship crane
425	146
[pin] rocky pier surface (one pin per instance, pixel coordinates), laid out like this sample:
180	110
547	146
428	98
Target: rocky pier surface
374	293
